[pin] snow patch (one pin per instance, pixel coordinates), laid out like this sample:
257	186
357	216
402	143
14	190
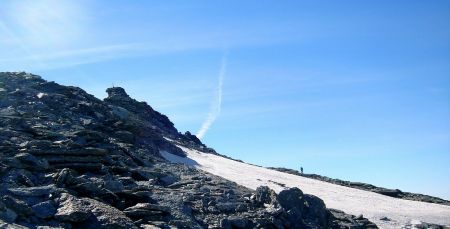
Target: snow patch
353	201
40	95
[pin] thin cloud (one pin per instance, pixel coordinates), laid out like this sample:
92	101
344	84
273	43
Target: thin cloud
216	103
52	34
48	23
75	57
11	36
55	34
33	27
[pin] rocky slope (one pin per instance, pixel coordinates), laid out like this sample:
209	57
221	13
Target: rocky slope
396	193
70	160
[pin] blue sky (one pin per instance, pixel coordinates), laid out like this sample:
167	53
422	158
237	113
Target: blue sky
357	90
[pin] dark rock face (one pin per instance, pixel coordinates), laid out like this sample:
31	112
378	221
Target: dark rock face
117	93
291	198
298	209
265	195
70	160
193	138
44	210
118	98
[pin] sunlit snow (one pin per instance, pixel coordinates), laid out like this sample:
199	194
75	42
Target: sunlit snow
353	201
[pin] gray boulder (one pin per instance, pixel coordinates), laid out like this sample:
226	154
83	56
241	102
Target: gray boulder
291	198
90	213
72	209
265	195
18	206
7	214
307	209
44	210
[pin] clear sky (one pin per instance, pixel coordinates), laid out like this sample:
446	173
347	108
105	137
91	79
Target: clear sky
357	90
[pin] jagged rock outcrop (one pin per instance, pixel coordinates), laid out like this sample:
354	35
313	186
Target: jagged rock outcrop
70	160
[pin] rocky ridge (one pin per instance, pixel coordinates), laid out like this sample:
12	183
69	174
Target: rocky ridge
396	193
70	160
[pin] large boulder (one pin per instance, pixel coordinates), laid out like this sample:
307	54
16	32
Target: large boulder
90	213
44	210
315	211
7	214
265	195
18	206
72	209
291	198
308	209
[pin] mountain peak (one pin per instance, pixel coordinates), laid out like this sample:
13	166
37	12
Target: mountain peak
117	93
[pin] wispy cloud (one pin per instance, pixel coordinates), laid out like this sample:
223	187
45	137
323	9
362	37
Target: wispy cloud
54	34
74	57
216	102
11	37
48	23
30	28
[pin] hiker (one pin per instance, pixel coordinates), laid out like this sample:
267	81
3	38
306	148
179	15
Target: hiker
301	170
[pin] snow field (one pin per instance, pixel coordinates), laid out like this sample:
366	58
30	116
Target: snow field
353	201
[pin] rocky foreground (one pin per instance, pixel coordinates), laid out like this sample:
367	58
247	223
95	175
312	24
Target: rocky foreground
70	160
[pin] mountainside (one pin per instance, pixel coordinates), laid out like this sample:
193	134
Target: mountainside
70	160
385	211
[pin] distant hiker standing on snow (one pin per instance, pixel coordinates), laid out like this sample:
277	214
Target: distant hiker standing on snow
301	170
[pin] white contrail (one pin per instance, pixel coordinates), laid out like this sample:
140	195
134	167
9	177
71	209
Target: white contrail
216	103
